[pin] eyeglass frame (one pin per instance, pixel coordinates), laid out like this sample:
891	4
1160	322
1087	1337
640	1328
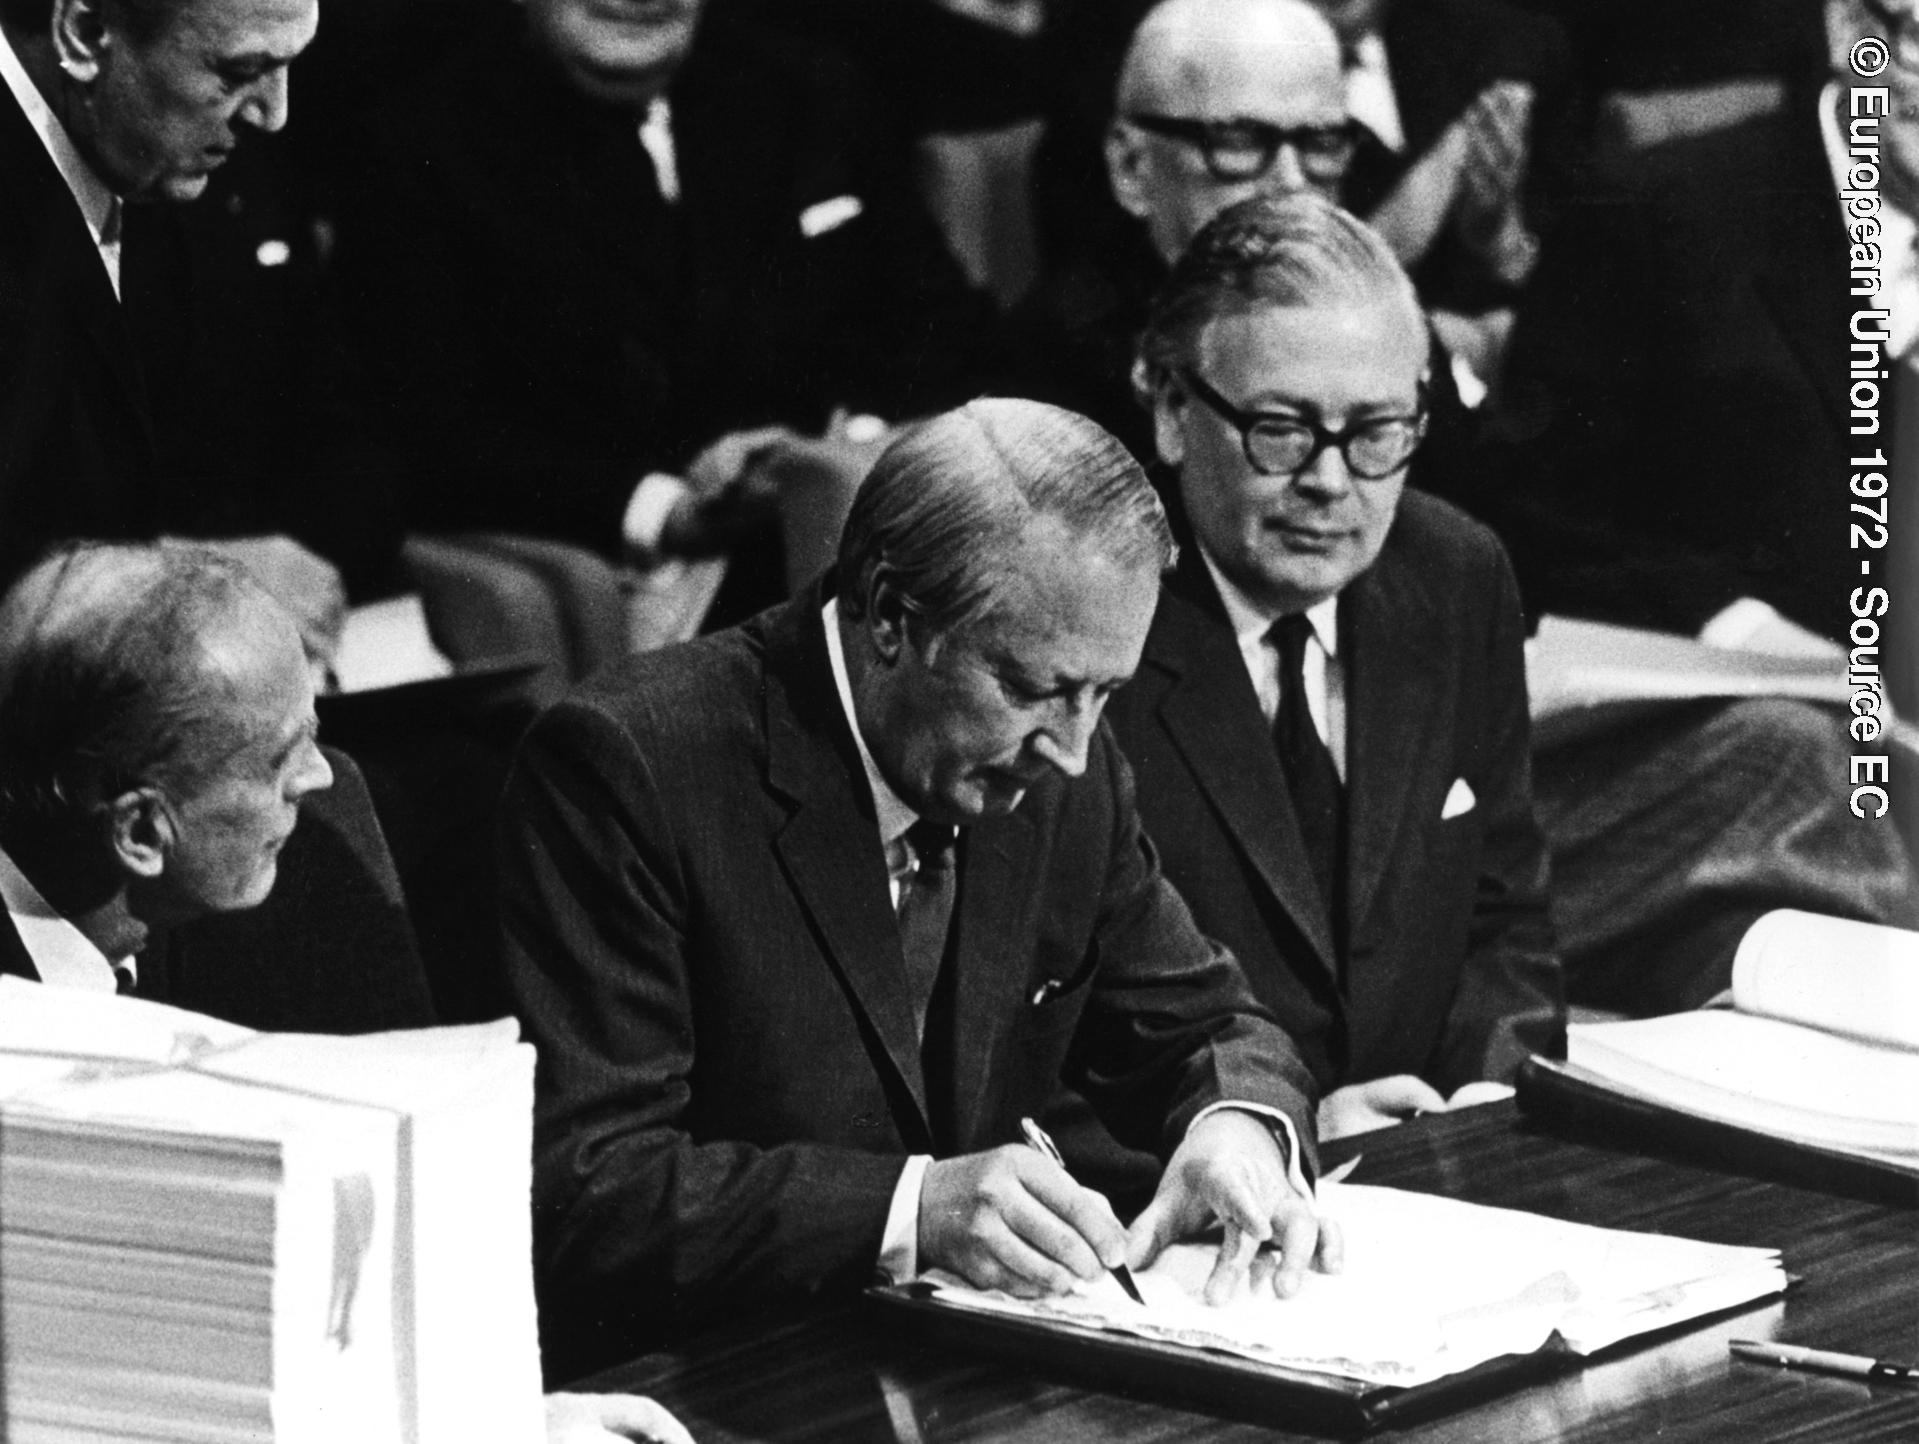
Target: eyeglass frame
1246	422
1207	137
1902	31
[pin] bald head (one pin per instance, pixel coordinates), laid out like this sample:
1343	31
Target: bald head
1187	52
1264	75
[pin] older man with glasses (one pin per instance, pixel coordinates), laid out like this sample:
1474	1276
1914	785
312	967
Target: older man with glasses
1217	101
1220	100
1328	726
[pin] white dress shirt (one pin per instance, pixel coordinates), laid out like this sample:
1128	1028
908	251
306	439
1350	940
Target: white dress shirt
63	956
1370	99
99	206
1324	676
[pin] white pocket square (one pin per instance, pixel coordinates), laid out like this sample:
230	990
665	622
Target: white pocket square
1459	801
823	216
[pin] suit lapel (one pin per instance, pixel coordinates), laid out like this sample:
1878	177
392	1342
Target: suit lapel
830	846
1213	717
1392	685
29	179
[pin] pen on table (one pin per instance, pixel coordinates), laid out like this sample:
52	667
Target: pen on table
1854	1366
1036	1137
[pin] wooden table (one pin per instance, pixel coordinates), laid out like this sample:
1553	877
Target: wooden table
841	1377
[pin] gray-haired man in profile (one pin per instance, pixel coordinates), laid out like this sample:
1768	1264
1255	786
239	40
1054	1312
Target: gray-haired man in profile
805	916
157	746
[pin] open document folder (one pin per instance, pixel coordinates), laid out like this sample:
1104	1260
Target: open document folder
214	1234
1819	1049
1432	1287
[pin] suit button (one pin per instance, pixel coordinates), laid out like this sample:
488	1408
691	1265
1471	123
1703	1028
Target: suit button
866	1120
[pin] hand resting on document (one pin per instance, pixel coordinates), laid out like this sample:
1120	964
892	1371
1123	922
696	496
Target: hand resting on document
1012	1219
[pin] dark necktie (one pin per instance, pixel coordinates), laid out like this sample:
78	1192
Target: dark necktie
1318	799
123	981
926	911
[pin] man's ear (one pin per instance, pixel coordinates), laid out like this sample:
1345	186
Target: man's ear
141	830
1169	402
80	38
1125	162
887	616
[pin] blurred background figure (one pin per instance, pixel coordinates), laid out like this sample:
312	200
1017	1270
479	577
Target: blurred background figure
1216	100
630	280
1671	451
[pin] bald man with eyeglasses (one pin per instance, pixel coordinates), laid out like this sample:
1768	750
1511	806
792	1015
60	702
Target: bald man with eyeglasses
1328	726
1216	102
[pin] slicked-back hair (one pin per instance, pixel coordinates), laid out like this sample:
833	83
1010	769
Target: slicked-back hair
1287	251
948	503
143	19
111	678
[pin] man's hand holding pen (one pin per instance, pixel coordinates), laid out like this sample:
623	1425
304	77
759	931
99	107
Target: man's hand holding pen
1014	1219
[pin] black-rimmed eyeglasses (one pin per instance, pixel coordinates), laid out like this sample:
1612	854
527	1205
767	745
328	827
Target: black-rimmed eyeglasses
1244	150
1281	444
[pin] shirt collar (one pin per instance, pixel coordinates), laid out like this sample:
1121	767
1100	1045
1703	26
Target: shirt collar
63	956
99	206
1369	92
894	815
1252	622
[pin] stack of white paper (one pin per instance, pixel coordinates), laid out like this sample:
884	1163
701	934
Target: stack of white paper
212	1234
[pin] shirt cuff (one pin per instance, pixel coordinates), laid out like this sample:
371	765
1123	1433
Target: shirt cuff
1282	1127
649	507
900	1244
1738	623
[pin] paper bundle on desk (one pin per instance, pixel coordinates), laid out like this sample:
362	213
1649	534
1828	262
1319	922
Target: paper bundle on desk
1820	1046
213	1234
1432	1286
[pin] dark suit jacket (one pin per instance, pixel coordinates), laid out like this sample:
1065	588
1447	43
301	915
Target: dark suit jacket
548	330
1674	429
329	951
699	935
1449	971
199	402
76	445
